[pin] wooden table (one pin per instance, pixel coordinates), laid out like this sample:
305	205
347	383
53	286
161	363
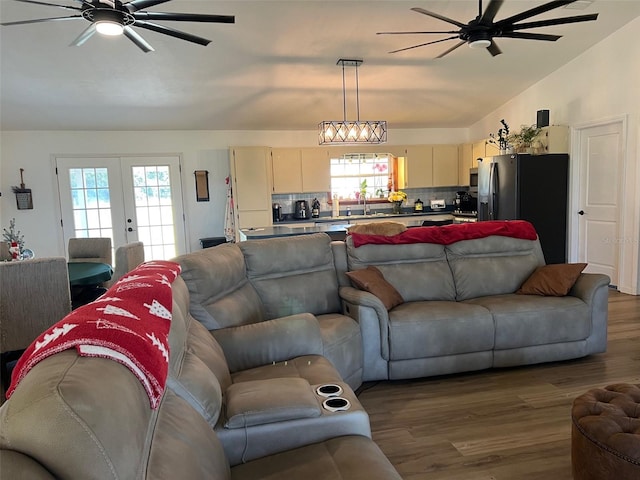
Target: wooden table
86	274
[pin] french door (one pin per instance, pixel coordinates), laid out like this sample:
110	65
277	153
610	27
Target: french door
127	199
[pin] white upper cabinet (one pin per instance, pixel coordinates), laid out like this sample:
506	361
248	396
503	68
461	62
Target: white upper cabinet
287	170
445	165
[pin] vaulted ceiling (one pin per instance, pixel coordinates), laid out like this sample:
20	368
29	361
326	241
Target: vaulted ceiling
275	68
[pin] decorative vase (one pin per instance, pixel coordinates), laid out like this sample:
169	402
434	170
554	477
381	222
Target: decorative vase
397	207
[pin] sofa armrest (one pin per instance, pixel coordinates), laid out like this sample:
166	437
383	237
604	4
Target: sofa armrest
360	298
593	289
277	340
587	285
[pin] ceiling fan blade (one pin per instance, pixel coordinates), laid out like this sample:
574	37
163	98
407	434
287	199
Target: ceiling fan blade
462	42
67	7
424	44
491	11
414	33
40	20
136	5
184	17
555	21
86	34
493	49
533	12
132	35
439	17
531	36
172	32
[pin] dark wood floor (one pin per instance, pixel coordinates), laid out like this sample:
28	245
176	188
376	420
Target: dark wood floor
506	424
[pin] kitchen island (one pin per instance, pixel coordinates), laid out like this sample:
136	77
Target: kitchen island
336	227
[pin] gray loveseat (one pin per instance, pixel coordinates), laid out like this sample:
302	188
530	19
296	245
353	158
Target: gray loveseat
242	409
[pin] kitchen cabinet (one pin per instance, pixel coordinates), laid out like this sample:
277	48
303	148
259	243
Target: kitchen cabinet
286	168
316	170
465	163
251	173
300	170
445	165
419	166
554	139
483	149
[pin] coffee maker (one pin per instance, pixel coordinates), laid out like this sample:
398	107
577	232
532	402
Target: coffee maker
301	211
277	212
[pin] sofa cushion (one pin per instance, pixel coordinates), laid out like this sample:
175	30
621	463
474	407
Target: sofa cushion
436	328
342	346
419	271
555	280
528	320
492	265
371	280
354	457
221	295
293	274
259	402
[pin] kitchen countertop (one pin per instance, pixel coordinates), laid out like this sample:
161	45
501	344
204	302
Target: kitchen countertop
336	227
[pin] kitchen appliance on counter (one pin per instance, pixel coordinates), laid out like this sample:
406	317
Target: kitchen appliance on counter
301	210
465	202
532	188
277	212
315	208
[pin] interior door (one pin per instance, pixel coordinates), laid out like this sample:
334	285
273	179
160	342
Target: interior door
125	199
600	192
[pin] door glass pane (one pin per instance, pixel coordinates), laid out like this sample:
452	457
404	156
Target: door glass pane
91	202
155	223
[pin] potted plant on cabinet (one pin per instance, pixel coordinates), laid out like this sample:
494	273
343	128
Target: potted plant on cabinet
524	140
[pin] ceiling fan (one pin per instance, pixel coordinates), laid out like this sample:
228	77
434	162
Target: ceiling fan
113	17
481	31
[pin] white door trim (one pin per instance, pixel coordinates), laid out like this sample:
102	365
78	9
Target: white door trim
628	249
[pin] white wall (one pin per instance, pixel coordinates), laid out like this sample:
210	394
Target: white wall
200	150
601	84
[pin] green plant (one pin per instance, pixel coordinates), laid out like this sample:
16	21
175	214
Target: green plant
525	136
502	139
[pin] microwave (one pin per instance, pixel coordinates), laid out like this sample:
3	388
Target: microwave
473	180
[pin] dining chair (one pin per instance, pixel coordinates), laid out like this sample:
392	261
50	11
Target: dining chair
35	294
90	250
128	257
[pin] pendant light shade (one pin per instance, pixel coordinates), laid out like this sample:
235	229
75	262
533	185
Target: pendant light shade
340	132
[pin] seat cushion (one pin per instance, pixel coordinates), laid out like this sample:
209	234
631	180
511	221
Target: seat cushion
436	328
527	320
342	341
353	457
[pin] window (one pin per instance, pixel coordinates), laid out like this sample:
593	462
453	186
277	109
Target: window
356	174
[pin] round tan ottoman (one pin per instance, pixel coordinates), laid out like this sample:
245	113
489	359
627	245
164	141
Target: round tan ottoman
605	434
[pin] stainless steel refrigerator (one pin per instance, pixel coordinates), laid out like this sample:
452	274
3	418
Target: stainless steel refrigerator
528	187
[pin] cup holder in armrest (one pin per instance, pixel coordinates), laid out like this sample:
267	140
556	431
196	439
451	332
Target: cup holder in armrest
329	390
336	404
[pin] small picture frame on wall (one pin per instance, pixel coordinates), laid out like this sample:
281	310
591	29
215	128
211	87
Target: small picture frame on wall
202	185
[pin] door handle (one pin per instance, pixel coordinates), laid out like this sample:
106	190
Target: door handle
581	212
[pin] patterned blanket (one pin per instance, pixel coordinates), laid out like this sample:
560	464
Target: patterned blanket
129	324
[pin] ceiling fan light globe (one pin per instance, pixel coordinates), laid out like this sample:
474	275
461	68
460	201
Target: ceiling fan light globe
109	28
482	43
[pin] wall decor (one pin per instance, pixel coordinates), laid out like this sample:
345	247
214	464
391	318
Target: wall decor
202	185
24	199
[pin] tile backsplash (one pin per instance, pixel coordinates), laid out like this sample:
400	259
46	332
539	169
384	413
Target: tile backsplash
425	194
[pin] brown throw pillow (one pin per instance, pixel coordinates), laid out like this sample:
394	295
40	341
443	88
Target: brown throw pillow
552	280
387	229
371	280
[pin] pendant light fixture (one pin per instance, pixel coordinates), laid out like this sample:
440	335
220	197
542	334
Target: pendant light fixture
341	132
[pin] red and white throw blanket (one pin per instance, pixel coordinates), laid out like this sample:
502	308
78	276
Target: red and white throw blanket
129	324
449	234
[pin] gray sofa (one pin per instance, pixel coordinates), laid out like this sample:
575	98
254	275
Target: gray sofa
460	312
244	408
